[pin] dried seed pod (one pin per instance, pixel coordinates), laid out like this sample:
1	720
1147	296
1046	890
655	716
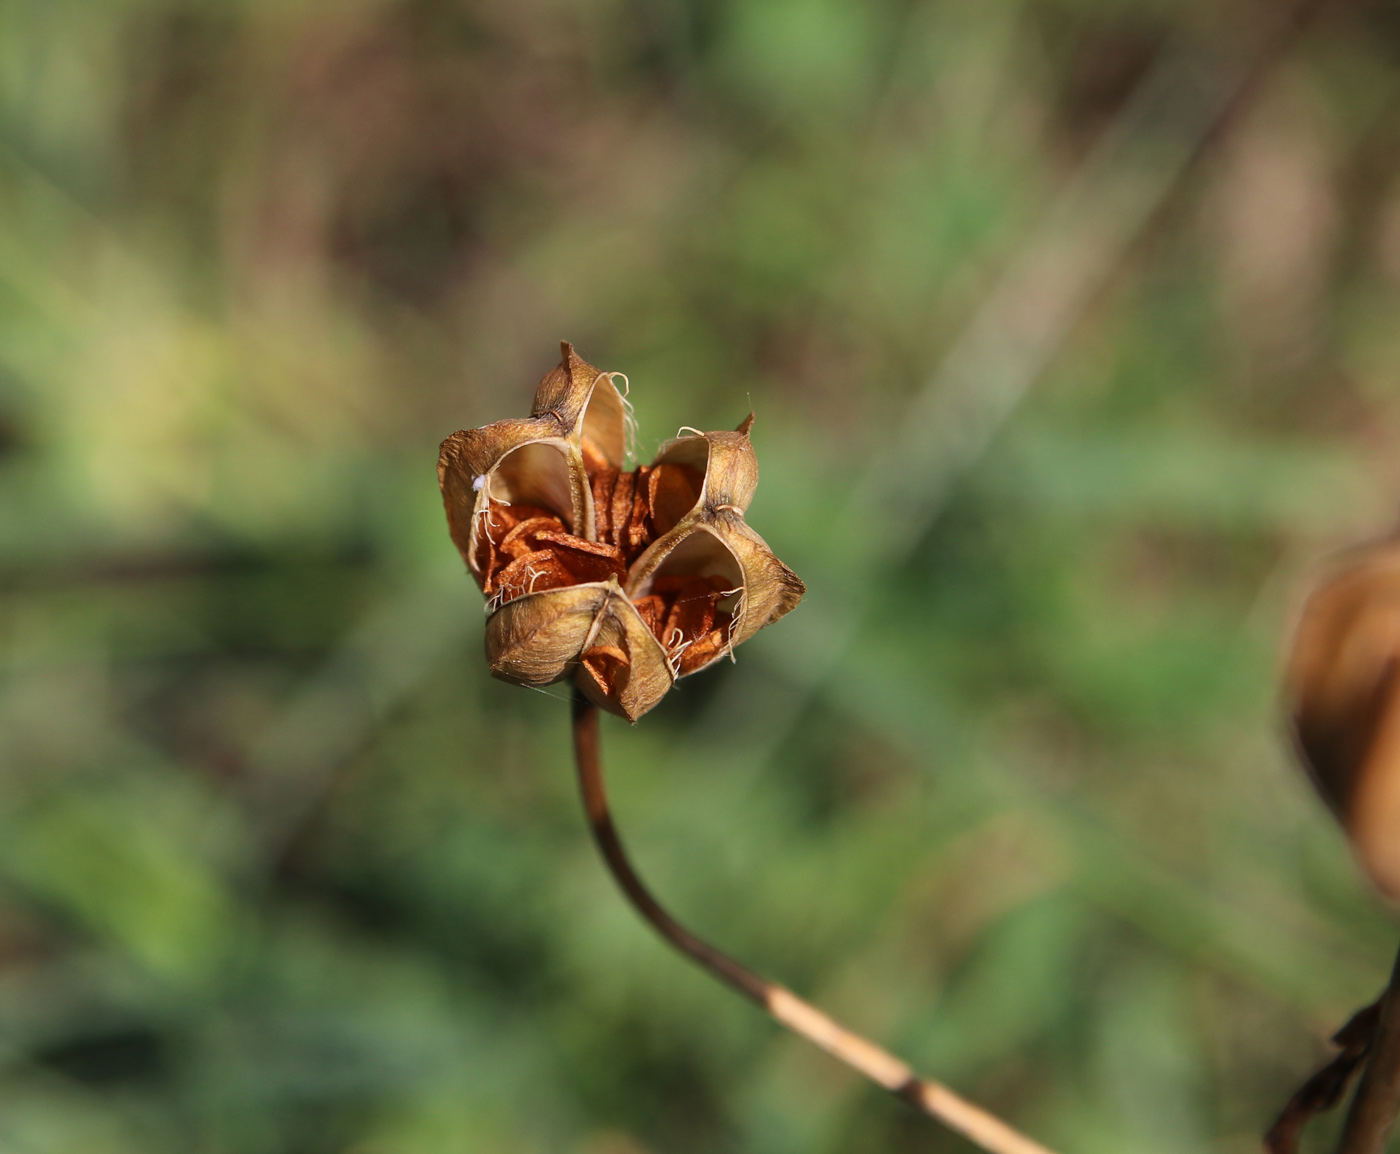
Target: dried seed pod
623	581
1344	686
536	460
590	632
704	538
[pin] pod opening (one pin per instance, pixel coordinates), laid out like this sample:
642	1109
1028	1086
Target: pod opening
524	533
605	422
535	474
692	600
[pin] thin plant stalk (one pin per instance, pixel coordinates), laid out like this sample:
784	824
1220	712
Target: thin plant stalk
932	1098
1377	1102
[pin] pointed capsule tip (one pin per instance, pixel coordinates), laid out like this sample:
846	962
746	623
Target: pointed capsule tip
745	425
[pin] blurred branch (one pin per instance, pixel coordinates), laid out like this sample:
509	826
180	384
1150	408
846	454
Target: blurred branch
932	1098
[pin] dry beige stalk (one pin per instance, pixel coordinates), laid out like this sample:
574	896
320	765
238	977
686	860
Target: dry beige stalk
625	581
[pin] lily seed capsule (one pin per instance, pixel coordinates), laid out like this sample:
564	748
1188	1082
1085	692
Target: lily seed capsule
620	580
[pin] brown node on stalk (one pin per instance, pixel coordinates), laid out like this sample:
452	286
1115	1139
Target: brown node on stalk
622	580
1344	687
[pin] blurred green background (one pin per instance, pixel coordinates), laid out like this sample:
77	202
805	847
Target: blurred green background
1071	330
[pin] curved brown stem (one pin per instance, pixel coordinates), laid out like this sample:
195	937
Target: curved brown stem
1324	1089
1373	1111
932	1098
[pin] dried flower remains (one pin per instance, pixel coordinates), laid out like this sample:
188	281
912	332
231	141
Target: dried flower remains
621	580
1344	686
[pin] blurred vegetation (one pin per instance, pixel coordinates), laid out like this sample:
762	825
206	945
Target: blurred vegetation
283	872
